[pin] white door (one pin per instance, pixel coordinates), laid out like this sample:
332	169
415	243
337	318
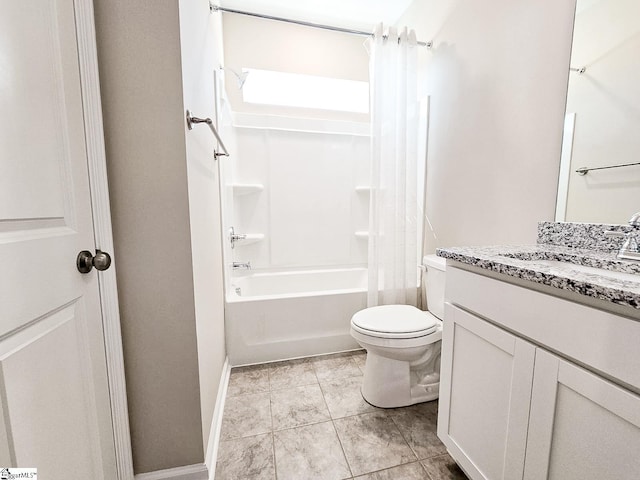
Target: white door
485	389
53	382
582	427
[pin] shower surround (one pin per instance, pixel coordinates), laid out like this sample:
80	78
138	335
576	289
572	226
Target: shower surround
299	190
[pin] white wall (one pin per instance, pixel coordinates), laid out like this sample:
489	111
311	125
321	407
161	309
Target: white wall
200	41
497	79
270	45
606	100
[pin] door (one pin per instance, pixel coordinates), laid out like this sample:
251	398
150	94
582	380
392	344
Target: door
53	380
485	389
582	426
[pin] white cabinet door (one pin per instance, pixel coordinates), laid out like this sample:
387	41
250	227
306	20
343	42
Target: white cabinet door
484	396
582	426
54	409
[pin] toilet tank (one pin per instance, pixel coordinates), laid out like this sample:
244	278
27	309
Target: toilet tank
434	284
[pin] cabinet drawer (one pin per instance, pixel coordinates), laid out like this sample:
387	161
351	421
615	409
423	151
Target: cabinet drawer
605	342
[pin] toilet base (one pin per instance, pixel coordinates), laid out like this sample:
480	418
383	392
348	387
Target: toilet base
391	383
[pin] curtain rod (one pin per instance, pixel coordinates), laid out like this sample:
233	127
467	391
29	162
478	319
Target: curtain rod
215	8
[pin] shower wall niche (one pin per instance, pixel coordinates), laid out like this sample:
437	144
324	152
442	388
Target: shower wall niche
298	189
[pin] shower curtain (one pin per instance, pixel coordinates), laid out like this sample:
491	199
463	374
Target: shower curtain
393	245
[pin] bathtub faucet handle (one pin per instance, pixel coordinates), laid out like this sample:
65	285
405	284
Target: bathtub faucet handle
234	237
237	266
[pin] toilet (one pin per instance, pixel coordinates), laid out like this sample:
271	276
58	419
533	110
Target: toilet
403	345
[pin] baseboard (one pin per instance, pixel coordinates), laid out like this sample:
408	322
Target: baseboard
207	470
198	471
216	422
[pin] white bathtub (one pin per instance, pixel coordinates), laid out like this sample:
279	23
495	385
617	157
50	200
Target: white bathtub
279	315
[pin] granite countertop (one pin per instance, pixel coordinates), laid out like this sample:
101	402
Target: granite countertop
530	262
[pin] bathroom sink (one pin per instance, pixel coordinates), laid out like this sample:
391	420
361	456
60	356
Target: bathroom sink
559	267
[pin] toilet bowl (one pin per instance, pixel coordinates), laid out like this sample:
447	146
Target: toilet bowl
403	346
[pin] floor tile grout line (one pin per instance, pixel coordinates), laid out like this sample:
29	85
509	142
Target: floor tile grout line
344	454
428	474
350	357
387	468
419	462
274	430
404	438
385	412
268	367
293	386
275	464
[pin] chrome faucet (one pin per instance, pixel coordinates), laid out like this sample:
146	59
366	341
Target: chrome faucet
630	249
238	266
234	237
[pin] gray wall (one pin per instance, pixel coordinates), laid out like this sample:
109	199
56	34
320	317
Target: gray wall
140	78
497	79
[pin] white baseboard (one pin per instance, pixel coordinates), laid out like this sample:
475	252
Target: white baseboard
207	470
216	422
198	471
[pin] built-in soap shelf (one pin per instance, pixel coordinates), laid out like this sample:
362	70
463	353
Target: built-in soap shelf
363	234
246	188
363	189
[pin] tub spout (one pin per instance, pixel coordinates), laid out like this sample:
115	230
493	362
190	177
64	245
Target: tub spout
238	266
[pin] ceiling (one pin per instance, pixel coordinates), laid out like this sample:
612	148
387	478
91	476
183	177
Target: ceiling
355	14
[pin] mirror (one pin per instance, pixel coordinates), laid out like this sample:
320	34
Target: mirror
602	122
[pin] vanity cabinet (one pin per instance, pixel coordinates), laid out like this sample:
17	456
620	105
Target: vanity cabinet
582	426
537	387
484	402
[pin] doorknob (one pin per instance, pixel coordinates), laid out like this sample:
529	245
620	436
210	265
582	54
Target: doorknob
86	261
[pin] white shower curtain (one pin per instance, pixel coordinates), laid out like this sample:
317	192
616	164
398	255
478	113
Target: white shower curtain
393	245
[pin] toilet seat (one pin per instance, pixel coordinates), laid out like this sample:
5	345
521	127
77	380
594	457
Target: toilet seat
394	321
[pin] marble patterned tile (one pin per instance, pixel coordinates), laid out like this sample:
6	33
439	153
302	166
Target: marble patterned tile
246	415
360	357
332	367
245	380
293	407
418	425
443	468
292	373
408	471
372	442
343	397
248	458
311	452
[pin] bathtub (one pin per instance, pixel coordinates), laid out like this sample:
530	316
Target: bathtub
280	315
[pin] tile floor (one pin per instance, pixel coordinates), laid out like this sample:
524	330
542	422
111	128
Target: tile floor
306	420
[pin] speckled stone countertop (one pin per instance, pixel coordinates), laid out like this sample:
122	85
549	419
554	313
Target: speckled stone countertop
528	262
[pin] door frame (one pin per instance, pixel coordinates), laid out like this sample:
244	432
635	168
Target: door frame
96	160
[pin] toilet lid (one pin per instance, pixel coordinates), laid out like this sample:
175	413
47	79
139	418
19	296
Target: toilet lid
397	321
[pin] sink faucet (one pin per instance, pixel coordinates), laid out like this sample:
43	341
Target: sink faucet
237	266
630	249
